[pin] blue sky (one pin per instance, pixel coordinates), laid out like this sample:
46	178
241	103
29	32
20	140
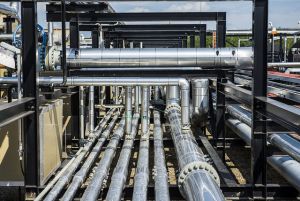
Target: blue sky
282	13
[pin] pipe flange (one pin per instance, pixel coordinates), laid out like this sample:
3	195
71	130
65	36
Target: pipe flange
171	107
195	166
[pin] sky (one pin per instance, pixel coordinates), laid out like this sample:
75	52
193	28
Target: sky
282	13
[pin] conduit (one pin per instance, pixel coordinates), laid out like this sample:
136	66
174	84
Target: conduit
58	187
120	173
80	176
160	170
93	189
198	180
141	177
153	57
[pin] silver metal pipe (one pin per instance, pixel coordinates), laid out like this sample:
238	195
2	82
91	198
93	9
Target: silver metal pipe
119	176
173	95
91	108
122	81
80	176
197	180
63	181
145	111
128	110
288	168
137	99
143	57
50	34
93	189
241	129
160	172
200	101
284	64
81	111
239	113
156	92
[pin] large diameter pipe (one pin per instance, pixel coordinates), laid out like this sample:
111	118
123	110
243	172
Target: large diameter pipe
173	95
145	57
128	109
160	175
197	180
92	191
80	176
141	177
183	84
62	182
288	168
119	176
241	129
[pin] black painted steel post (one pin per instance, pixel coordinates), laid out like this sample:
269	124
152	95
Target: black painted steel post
258	142
221	30
202	38
95	44
30	89
192	41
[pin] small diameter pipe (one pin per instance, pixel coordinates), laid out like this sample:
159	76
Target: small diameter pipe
156	92
92	191
197	180
137	99
128	110
58	187
118	179
80	176
288	168
160	172
91	108
141	177
81	111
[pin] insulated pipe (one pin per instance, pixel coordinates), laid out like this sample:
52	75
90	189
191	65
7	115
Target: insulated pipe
288	168
141	177
119	176
128	110
81	111
91	108
143	57
80	176
241	129
160	171
239	113
122	81
173	95
198	180
58	187
93	189
156	93
284	64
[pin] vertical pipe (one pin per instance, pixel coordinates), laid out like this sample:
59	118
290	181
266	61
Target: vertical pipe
285	49
161	175
172	95
128	109
145	110
156	92
137	99
81	111
200	98
91	108
50	34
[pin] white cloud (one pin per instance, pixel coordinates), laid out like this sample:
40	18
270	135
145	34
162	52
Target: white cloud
139	9
188	7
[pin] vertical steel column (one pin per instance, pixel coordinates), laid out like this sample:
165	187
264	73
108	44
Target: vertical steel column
8	23
184	45
192	41
29	66
221	31
258	130
202	38
95	44
75	99
95	38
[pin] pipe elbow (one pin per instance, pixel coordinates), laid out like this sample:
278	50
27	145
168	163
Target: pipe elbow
184	84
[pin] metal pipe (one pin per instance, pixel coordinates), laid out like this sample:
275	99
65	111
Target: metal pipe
80	176
160	175
91	108
241	129
58	187
11	10
81	111
119	176
141	177
198	180
93	189
128	109
173	95
50	34
143	57
284	64
156	93
122	81
288	168
239	113
137	97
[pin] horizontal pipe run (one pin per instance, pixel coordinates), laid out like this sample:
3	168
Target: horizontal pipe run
93	189
241	129
198	180
284	64
288	168
183	84
160	172
62	182
119	176
80	176
153	57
